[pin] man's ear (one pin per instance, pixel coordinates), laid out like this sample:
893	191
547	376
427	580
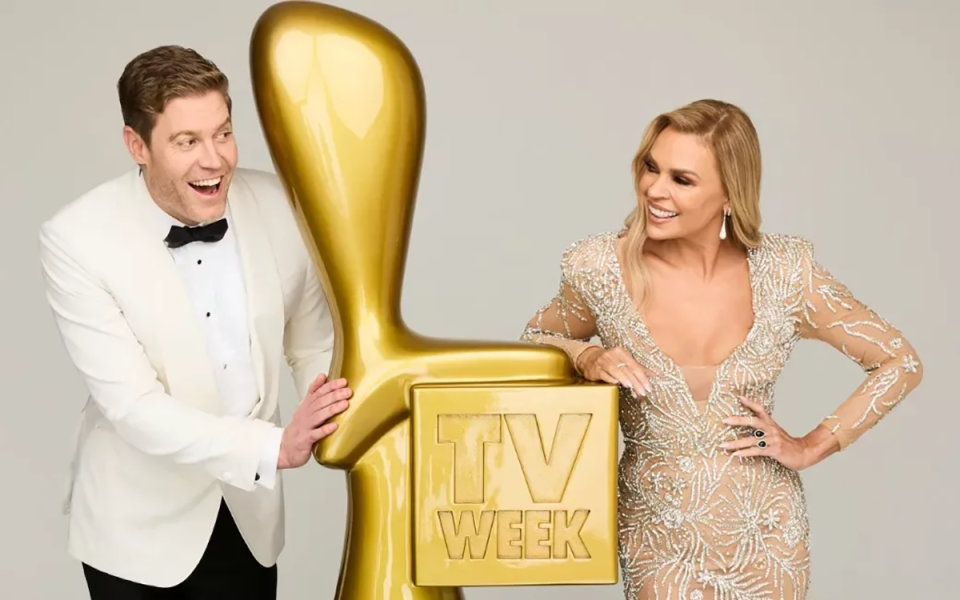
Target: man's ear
136	146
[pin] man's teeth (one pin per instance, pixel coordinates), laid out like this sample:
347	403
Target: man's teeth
207	182
662	214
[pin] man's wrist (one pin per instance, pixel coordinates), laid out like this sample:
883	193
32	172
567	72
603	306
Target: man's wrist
282	461
269	459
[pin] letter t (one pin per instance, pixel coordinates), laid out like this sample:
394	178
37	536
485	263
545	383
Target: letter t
469	435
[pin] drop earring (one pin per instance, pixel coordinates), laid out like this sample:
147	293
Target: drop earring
723	225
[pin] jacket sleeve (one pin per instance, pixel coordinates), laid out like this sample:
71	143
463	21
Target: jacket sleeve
308	336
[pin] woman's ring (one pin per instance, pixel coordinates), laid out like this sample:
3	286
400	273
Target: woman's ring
621	365
762	443
759	433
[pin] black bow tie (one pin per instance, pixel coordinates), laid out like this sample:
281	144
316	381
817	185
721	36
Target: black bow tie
181	236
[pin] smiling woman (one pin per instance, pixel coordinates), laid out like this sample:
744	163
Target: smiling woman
698	313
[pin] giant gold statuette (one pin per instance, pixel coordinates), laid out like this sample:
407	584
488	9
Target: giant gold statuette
469	463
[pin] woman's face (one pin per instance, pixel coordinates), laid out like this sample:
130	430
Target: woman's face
681	189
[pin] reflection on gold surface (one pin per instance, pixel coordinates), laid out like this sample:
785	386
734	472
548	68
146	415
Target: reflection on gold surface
342	106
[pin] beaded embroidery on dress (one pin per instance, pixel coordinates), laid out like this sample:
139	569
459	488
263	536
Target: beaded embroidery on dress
695	522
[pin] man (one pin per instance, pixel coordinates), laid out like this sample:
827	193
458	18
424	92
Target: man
177	289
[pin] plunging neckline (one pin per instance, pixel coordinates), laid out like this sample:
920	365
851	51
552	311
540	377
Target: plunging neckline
672	366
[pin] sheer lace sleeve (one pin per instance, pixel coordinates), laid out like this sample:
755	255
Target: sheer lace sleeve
566	322
829	312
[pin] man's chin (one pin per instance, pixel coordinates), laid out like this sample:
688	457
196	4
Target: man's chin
206	209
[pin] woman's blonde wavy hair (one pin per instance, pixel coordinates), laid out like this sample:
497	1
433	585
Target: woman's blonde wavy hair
730	134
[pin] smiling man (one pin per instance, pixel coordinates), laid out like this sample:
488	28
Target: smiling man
178	289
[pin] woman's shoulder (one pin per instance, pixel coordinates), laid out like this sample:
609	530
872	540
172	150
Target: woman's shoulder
594	241
784	246
790	256
592	250
590	258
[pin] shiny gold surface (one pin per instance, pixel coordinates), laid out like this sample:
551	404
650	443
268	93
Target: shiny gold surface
511	485
342	106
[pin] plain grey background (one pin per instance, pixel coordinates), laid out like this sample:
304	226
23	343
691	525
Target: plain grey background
535	111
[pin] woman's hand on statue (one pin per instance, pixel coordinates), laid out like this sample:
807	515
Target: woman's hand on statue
613	365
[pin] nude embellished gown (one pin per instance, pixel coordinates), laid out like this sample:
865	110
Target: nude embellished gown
696	523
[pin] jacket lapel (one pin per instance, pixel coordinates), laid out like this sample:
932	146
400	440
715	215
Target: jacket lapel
264	294
183	362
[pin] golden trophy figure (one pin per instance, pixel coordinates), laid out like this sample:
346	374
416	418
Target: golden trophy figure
468	463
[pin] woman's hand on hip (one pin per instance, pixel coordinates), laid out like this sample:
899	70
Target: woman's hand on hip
769	439
614	365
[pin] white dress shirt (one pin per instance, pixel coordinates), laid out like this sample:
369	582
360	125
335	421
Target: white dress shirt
213	278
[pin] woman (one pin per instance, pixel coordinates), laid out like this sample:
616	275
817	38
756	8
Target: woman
698	312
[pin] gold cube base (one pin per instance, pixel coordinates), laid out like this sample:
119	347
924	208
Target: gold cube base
514	485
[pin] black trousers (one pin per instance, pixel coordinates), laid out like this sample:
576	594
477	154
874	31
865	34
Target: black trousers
227	569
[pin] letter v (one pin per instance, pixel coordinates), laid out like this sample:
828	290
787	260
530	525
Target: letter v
547	476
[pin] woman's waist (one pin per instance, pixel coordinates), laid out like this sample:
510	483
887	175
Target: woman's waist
647	461
711	496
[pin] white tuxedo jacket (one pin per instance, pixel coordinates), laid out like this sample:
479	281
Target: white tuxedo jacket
155	451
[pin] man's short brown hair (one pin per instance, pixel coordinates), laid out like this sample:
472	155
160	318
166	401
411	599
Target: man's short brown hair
158	76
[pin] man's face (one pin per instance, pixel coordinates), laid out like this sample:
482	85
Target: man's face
191	158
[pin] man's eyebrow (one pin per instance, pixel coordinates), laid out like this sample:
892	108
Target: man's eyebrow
192	133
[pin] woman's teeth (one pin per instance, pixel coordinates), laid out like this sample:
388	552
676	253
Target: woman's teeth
662	214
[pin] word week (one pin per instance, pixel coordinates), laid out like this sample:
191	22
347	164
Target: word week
520	534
